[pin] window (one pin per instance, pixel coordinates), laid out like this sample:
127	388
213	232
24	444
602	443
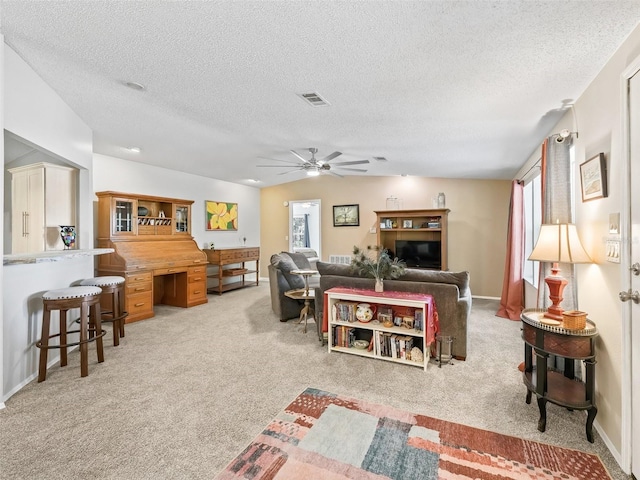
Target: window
532	221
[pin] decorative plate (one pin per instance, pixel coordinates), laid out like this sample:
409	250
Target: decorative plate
361	344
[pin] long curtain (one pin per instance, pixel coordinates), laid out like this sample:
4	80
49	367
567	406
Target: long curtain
512	299
556	207
307	240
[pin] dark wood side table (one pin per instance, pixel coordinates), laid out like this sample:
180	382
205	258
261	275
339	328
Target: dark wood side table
550	384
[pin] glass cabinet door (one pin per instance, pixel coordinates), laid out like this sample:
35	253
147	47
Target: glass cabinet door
181	219
124	216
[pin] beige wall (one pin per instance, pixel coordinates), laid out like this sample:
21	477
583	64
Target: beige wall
599	123
477	221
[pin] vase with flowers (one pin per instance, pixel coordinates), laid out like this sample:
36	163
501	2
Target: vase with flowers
379	265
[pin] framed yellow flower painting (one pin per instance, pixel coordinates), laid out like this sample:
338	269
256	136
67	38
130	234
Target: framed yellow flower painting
222	215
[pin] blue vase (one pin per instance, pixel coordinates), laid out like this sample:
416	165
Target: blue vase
68	235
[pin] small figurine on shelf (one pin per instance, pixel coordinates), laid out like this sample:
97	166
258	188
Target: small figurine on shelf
68	235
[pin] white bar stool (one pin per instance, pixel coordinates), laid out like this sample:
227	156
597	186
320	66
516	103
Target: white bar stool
87	299
114	286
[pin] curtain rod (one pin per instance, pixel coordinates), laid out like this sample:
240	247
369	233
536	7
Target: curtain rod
535	165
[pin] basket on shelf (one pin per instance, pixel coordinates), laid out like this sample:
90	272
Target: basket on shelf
574	320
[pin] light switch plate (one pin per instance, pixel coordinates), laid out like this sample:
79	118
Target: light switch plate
613	251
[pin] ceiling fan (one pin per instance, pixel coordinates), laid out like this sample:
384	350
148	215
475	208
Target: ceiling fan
313	166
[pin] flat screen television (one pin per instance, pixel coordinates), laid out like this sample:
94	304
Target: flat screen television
420	253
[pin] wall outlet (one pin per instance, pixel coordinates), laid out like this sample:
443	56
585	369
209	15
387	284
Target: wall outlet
372	230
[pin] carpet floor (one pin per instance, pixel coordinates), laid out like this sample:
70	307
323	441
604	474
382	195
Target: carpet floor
326	436
187	390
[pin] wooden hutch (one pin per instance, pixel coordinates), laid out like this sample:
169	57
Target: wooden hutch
154	251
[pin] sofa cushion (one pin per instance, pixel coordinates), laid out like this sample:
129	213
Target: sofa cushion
335	269
284	263
461	279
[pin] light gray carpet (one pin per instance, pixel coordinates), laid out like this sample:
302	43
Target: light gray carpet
187	390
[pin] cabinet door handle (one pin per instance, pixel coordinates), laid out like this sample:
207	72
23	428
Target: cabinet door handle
197	279
197	292
139	304
171	270
139	289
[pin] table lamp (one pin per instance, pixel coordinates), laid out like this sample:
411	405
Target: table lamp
558	243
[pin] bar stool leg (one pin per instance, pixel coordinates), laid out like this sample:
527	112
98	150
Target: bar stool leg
63	338
98	324
84	350
120	300
44	342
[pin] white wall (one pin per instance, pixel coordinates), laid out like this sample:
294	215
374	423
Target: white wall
33	111
1	201
599	125
124	176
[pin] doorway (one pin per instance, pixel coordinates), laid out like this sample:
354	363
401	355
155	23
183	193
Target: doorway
304	225
631	281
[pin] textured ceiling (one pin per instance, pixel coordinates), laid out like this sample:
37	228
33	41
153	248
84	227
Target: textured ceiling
439	88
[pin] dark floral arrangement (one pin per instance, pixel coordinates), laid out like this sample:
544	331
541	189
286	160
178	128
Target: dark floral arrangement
381	267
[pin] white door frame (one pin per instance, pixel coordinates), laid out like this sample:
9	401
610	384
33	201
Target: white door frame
625	274
315	201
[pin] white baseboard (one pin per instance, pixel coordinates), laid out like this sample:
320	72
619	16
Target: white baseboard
614	452
485	297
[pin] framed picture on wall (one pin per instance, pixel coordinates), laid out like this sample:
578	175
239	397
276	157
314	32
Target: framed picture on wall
221	215
593	178
346	215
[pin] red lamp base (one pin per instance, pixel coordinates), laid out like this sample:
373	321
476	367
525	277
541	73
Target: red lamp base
556	286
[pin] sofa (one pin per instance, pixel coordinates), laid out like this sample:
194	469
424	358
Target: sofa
281	281
450	291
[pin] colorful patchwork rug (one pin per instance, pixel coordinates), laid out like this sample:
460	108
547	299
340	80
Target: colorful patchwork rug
330	437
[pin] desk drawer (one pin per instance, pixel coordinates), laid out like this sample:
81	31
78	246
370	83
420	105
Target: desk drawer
201	270
138	277
168	271
140	305
138	287
196	291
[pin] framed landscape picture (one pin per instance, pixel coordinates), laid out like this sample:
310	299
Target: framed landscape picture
346	215
593	178
221	215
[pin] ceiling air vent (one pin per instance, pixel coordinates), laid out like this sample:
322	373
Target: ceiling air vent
380	159
313	99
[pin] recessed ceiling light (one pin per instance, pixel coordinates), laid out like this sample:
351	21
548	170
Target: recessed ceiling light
135	86
253	180
134	149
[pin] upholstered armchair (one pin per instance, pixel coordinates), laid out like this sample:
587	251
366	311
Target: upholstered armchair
282	280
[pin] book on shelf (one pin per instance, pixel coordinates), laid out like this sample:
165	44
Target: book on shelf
344	311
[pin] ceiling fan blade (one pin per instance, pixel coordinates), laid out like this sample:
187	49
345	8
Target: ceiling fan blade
330	157
334	173
299	156
291	171
354	162
276	160
352	169
276	166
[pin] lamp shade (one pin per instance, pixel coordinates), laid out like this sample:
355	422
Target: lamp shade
559	243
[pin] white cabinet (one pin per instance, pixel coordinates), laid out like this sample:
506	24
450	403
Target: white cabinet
43	197
392	343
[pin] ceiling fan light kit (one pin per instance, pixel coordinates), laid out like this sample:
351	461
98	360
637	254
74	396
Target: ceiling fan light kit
313	167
